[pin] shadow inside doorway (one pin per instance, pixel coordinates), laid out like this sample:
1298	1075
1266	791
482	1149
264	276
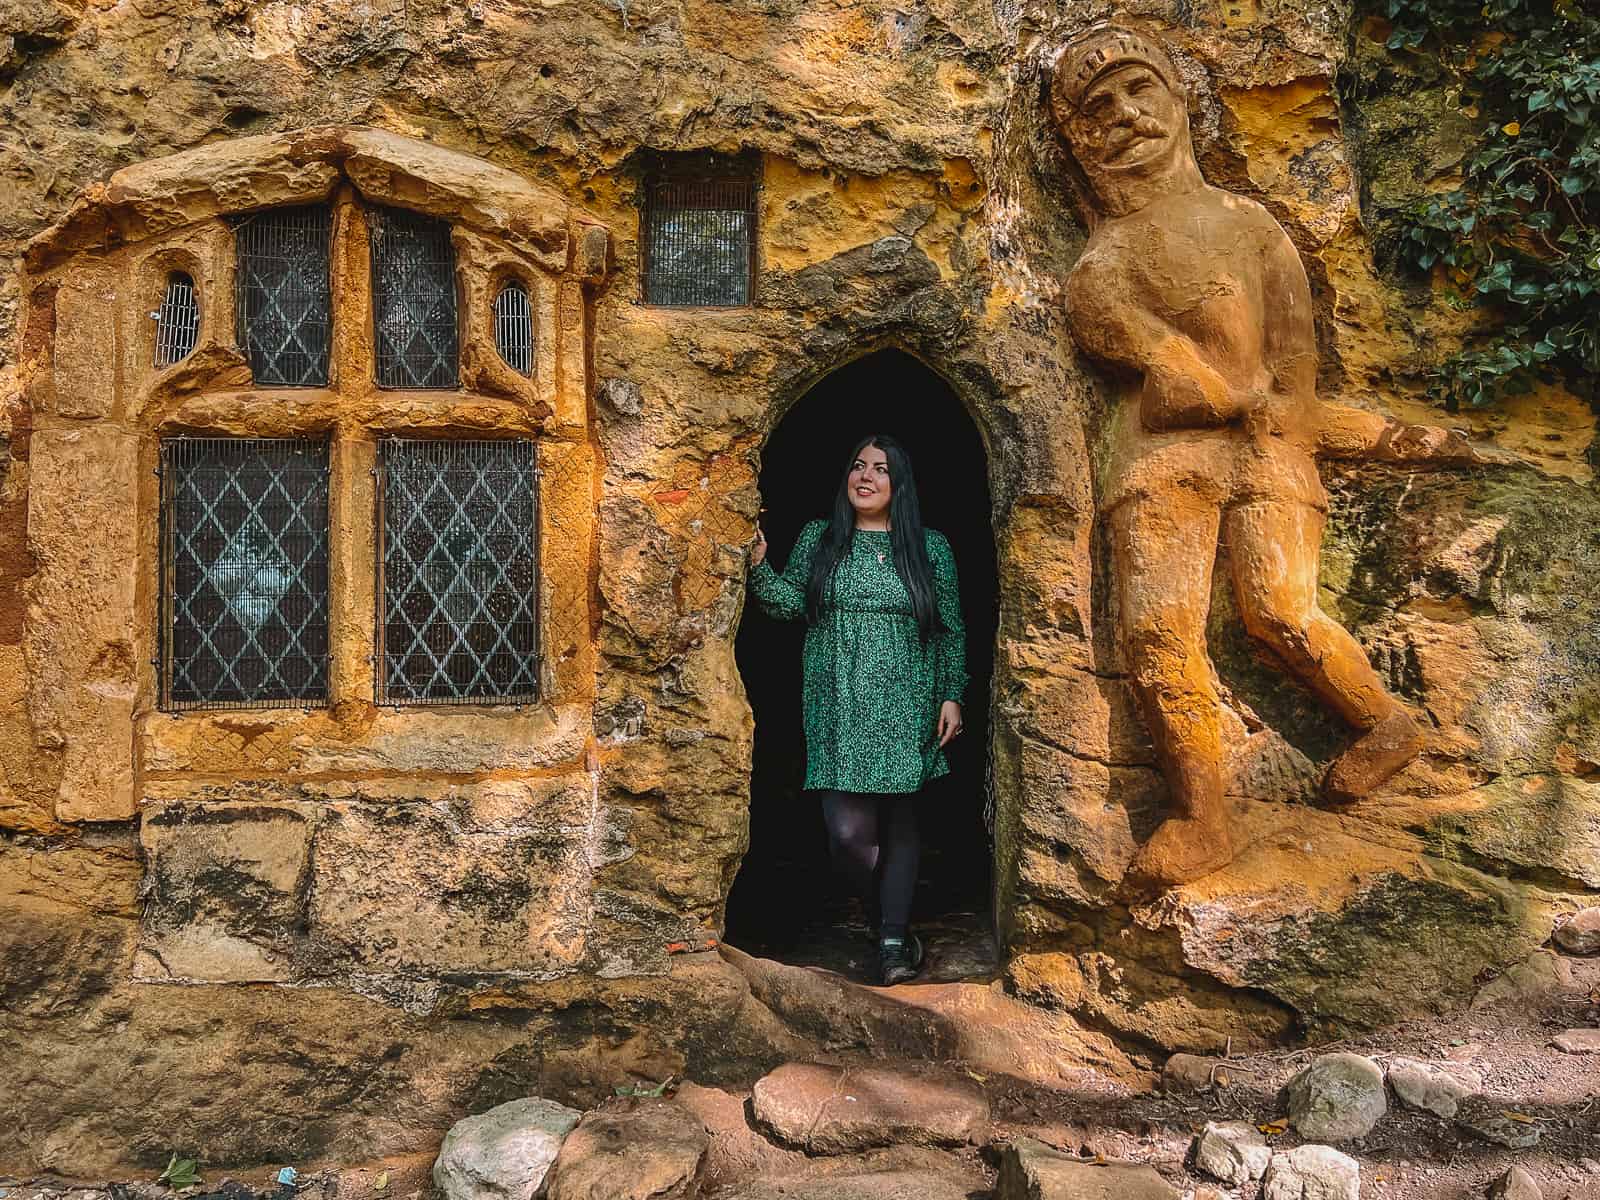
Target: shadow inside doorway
786	902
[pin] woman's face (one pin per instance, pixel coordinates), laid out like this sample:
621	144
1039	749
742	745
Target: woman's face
869	485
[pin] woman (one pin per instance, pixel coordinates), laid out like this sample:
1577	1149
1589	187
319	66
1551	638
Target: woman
885	667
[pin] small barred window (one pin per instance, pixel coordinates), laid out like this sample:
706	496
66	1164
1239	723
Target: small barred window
459	602
282	295
513	327
244	573
177	320
414	300
700	234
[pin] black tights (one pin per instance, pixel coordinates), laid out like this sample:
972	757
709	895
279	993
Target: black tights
873	839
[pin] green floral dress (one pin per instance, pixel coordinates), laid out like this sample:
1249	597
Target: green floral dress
872	689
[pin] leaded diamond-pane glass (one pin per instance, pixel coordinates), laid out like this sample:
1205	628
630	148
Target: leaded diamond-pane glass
413	300
244	572
458	617
282	295
700	239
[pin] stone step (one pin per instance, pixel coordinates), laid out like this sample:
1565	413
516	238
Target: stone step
902	1173
836	1110
976	1024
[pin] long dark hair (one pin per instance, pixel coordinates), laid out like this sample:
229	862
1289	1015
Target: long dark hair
905	538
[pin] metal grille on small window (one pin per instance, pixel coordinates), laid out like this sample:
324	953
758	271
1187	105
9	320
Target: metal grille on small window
458	595
282	295
700	239
177	320
244	572
513	327
414	300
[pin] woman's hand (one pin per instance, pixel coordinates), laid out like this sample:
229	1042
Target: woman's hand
758	548
949	721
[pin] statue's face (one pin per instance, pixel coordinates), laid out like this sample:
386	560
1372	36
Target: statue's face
1130	121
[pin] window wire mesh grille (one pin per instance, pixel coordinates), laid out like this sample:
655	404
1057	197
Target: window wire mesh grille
414	300
282	295
700	240
244	543
177	320
458	596
513	327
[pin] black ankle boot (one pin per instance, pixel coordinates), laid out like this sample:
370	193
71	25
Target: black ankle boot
899	959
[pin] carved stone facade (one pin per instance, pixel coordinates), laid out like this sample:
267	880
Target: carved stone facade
380	916
386	841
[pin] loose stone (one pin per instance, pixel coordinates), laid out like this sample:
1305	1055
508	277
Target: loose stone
1312	1173
1492	1125
1540	975
1030	1170
1581	935
1193	1073
1515	1184
505	1153
1232	1151
1578	1041
1336	1098
1427	1087
642	1150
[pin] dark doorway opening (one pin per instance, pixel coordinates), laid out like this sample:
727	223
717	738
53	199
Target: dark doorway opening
786	902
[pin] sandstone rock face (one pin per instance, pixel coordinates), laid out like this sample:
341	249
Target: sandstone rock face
1428	1087
1336	1098
1030	1170
645	1150
1232	1151
505	1153
360	891
833	1110
1312	1173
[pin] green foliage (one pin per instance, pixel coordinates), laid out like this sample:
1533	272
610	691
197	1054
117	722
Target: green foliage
638	1089
180	1172
1520	234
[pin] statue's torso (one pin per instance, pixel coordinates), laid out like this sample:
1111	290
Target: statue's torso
1211	266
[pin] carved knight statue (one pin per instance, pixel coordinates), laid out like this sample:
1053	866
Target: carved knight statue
1197	303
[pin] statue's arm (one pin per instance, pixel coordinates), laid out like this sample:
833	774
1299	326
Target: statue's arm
1181	390
1356	433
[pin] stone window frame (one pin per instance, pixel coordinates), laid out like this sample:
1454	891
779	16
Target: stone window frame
101	408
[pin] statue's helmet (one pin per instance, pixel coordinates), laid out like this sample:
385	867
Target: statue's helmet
1095	52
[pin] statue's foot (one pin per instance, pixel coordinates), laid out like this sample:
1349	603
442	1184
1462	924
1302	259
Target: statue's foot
1376	756
1182	849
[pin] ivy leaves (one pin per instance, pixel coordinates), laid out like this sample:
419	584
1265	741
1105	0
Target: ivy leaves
1520	235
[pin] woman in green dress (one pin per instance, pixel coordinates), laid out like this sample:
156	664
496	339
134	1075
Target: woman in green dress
885	668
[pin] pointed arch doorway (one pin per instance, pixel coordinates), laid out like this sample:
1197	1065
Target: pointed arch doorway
786	903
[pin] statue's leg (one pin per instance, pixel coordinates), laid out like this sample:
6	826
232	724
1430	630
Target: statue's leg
1162	554
1274	546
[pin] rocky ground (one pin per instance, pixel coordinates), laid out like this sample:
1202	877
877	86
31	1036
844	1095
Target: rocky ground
1487	1103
